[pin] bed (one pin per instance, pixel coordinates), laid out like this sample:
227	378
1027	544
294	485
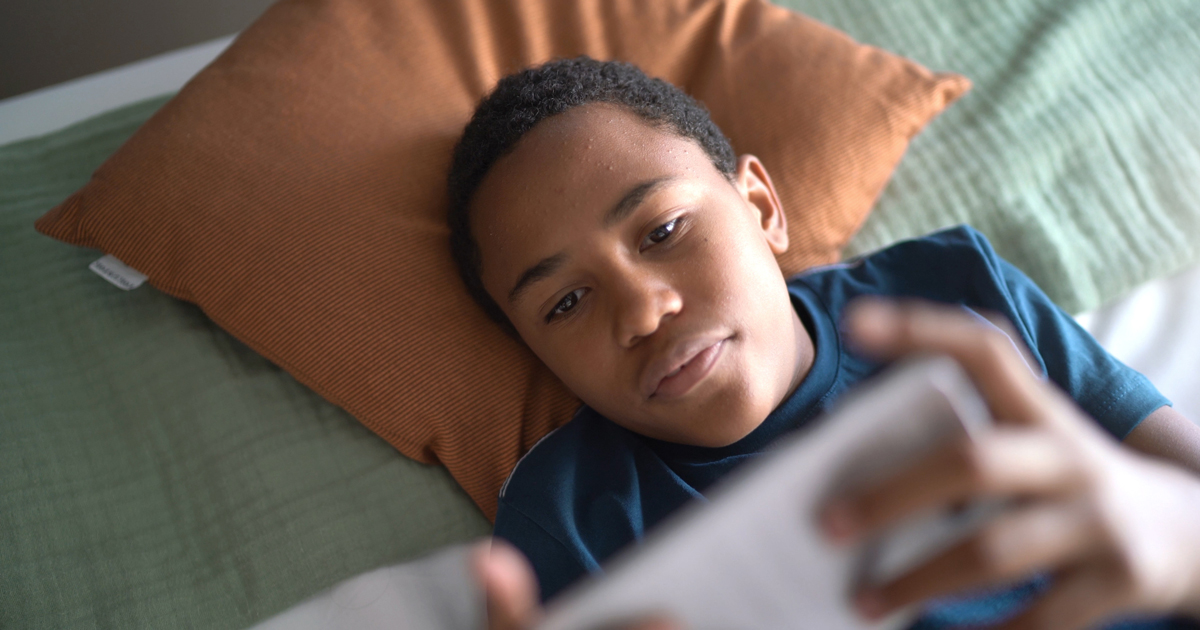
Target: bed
154	472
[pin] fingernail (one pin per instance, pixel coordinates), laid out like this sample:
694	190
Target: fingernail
870	604
839	523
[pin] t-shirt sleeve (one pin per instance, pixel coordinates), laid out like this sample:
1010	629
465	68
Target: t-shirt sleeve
1117	396
556	567
959	266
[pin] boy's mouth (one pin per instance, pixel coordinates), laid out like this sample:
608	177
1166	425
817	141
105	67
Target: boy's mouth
683	368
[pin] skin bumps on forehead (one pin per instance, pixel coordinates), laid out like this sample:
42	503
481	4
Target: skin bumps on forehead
572	158
647	280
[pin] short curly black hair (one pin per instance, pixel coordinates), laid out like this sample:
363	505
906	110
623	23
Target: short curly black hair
522	100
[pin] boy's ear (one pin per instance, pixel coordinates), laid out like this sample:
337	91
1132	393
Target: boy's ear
753	182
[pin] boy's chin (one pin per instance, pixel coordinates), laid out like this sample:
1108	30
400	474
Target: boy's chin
714	433
724	437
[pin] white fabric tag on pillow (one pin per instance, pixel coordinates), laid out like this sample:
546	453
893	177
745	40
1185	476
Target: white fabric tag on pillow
112	269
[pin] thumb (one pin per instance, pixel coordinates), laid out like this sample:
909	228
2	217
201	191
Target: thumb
509	585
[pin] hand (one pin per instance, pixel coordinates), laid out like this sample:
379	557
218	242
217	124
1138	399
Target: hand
1120	532
512	591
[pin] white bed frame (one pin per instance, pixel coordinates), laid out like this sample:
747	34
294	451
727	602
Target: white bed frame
52	108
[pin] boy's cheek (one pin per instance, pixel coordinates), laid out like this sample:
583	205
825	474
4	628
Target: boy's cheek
588	370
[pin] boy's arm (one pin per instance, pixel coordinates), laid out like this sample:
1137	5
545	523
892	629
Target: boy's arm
1169	435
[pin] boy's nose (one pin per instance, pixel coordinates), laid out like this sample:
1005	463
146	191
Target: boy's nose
643	309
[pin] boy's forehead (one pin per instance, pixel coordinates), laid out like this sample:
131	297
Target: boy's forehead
582	159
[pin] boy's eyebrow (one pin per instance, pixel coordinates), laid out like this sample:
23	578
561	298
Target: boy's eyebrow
628	203
633	198
543	269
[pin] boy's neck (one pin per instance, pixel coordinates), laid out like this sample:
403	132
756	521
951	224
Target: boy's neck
805	355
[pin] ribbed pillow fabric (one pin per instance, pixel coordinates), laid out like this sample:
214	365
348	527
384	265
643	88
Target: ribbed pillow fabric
295	188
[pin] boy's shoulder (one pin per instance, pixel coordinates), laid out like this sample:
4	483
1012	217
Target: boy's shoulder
581	494
585	459
953	265
952	243
958	266
561	451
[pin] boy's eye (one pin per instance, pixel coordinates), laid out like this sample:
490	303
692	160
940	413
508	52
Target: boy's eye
567	303
662	232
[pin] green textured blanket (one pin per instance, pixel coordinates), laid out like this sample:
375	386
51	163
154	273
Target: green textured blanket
1078	151
156	473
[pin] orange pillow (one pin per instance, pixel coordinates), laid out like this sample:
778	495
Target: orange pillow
295	189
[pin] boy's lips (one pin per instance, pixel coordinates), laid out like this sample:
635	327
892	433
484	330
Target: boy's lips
687	364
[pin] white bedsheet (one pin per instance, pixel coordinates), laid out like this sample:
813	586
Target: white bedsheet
1155	329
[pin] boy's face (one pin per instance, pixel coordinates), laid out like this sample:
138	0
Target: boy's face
641	276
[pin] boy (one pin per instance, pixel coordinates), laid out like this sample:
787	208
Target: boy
602	217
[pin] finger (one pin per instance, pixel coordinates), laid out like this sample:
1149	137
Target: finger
1042	536
1080	598
656	624
509	586
890	329
1003	462
653	623
1005	326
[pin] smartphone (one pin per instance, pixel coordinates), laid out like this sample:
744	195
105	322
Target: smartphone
754	556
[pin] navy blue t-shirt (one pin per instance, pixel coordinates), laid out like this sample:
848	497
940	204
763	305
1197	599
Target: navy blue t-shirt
592	487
